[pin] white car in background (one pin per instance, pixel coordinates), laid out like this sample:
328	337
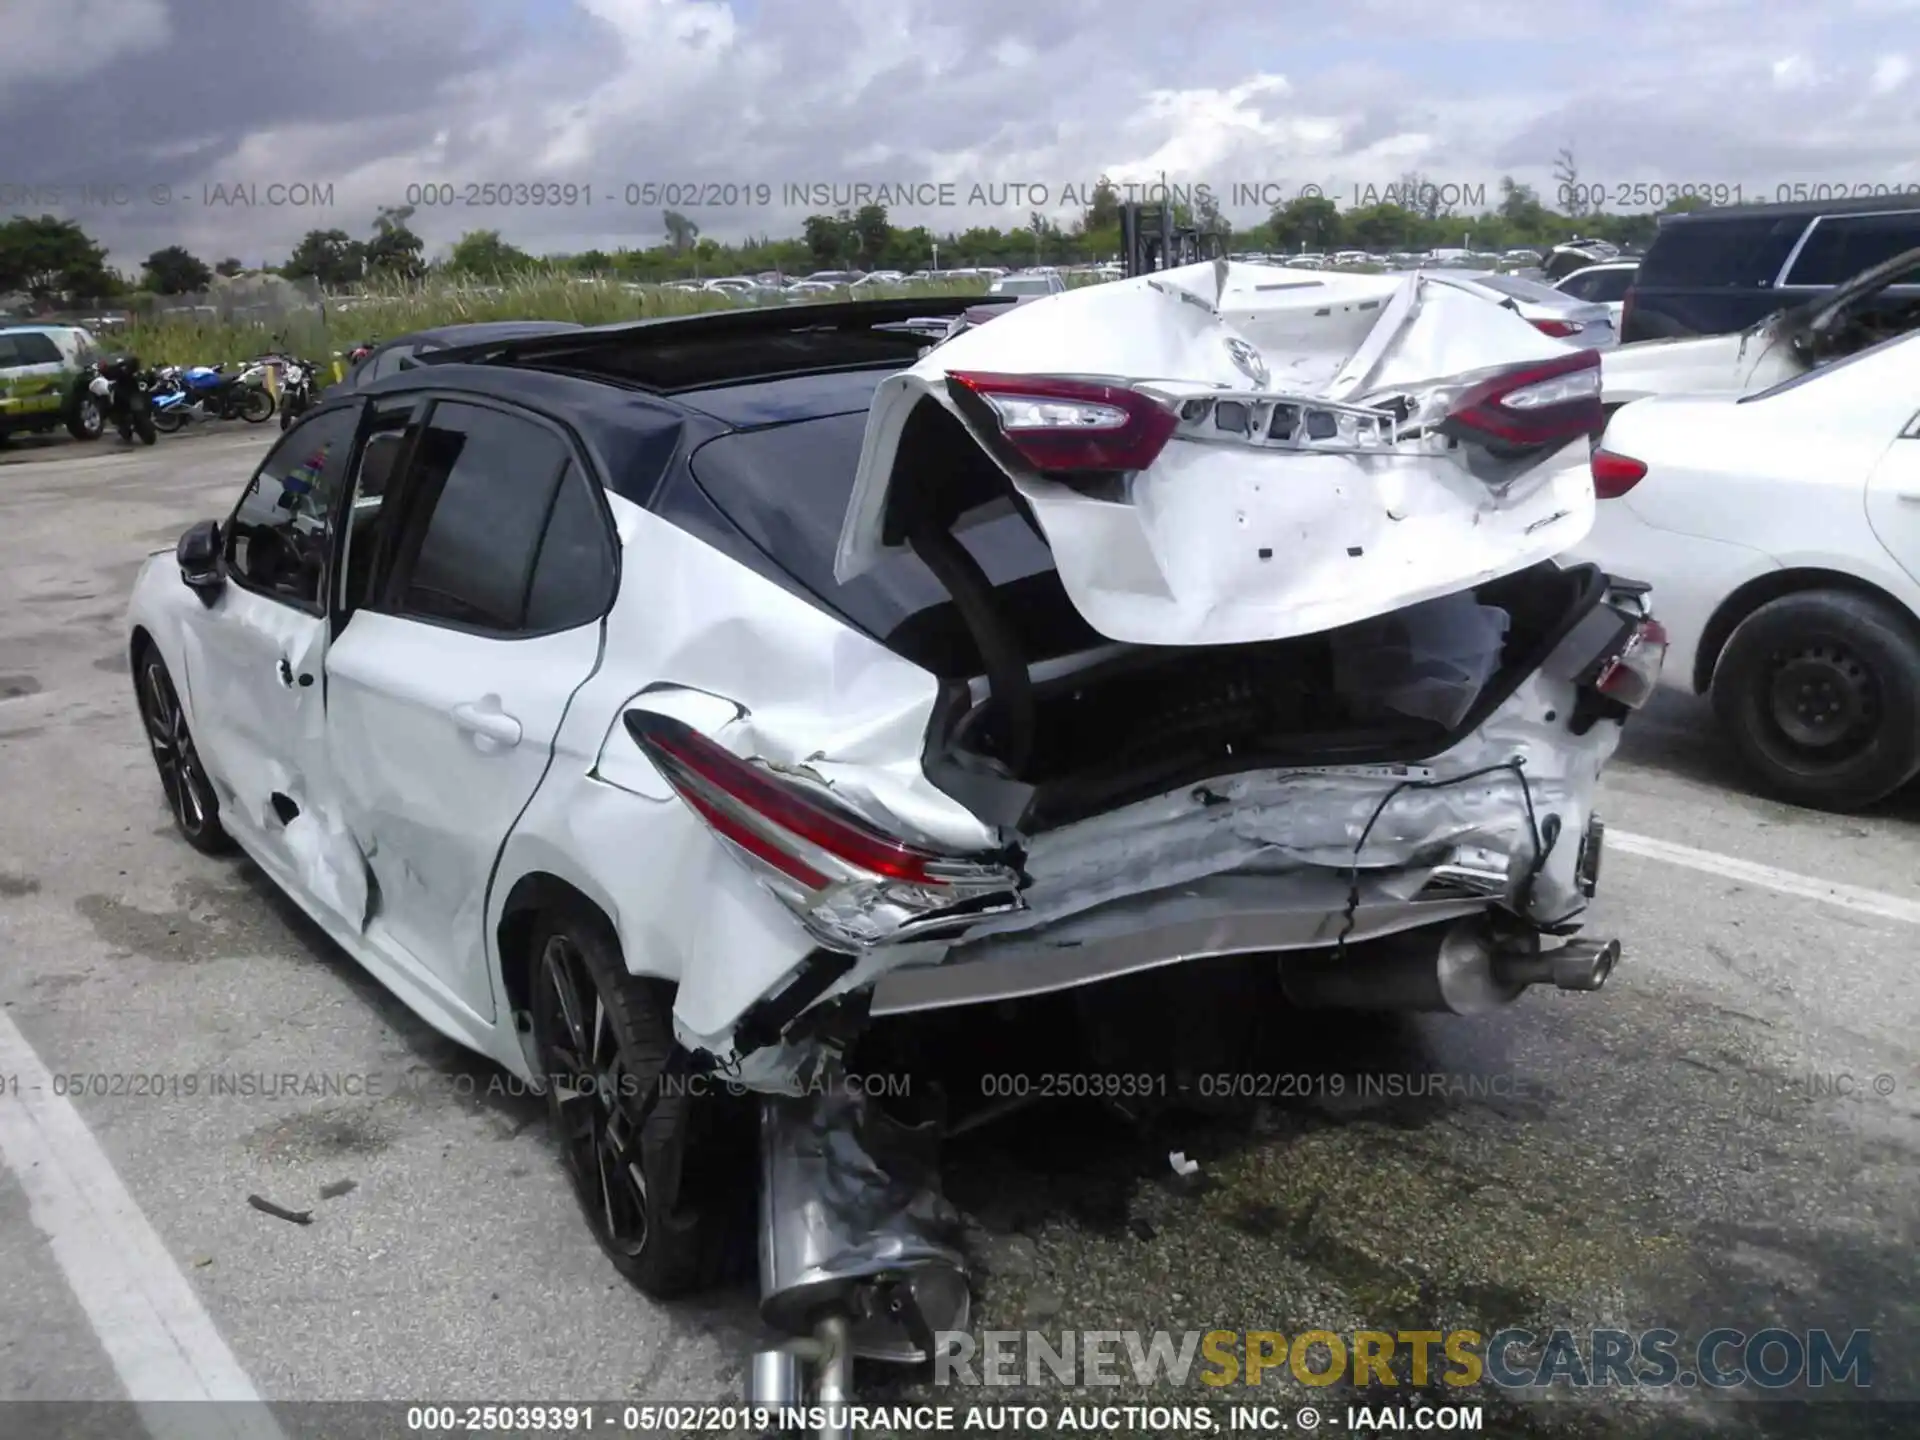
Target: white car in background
1579	323
1780	531
1604	284
1035	282
1881	301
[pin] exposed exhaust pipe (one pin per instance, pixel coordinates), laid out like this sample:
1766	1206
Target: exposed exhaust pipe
859	1250
1461	970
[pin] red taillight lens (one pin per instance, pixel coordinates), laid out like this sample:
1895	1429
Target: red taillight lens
1060	424
1543	403
1615	474
1631	675
1558	329
801	837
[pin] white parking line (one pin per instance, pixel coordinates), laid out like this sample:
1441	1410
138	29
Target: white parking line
1748	872
162	1343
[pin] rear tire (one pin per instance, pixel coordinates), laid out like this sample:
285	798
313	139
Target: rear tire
169	420
257	407
143	427
1820	693
655	1208
85	419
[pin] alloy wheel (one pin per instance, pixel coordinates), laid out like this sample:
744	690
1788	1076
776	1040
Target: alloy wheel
595	1095
181	775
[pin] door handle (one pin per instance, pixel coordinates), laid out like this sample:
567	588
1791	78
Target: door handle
1912	497
488	721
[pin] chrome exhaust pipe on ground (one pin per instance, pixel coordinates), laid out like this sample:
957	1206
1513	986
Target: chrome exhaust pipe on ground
1461	971
859	1250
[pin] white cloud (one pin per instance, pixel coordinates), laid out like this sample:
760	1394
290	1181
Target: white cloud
729	99
1890	72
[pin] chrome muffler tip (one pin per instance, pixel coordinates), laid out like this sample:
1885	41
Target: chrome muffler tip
775	1380
1584	964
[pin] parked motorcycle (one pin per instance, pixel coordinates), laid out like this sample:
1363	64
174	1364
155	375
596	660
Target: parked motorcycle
125	394
208	392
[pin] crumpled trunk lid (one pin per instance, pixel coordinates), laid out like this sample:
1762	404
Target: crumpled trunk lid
1227	536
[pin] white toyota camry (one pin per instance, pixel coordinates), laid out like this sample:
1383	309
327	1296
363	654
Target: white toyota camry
696	696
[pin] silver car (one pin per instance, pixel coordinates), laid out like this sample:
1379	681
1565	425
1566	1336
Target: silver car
1604	284
1582	324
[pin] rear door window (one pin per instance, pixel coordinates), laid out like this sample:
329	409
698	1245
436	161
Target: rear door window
1606	286
1740	252
1839	247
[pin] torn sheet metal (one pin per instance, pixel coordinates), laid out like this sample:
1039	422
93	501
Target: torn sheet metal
1226	539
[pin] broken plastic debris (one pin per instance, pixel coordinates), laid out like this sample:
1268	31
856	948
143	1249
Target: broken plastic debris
1182	1166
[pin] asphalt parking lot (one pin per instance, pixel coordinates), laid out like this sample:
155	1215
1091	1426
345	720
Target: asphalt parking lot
1729	1134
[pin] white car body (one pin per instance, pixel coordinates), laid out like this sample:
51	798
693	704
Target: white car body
1614	271
1811	332
1819	476
1338	495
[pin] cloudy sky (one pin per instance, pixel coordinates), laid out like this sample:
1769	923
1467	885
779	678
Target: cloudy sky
328	109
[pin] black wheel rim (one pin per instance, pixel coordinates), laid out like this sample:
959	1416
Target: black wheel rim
179	763
1821	700
92	420
594	1094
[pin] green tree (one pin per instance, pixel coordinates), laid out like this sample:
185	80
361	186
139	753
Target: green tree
1307	222
871	233
828	240
1103	209
681	232
395	250
229	267
330	257
1520	207
50	257
482	254
174	271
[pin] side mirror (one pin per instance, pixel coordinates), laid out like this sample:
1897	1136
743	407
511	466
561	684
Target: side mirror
199	555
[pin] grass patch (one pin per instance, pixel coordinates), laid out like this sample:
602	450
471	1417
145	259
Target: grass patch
380	314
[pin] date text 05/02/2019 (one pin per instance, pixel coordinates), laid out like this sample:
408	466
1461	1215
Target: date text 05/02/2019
579	1420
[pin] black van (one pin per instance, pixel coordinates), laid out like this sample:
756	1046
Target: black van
1713	272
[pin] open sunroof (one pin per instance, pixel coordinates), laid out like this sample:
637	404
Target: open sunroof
727	347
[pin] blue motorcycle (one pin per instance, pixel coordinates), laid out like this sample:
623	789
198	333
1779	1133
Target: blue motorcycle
207	392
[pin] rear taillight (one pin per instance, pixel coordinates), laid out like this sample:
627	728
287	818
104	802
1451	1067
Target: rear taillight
1632	673
852	884
1543	403
1615	474
1060	424
1558	329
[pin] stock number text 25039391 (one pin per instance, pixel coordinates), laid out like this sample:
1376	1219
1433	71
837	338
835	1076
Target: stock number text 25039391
568	194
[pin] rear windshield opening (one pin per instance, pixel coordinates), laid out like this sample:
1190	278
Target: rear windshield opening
787	488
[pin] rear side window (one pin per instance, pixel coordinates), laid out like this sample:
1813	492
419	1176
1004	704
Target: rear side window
500	528
1841	246
1603	286
29	348
787	488
1740	252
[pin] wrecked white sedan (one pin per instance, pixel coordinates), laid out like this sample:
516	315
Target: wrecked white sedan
683	699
